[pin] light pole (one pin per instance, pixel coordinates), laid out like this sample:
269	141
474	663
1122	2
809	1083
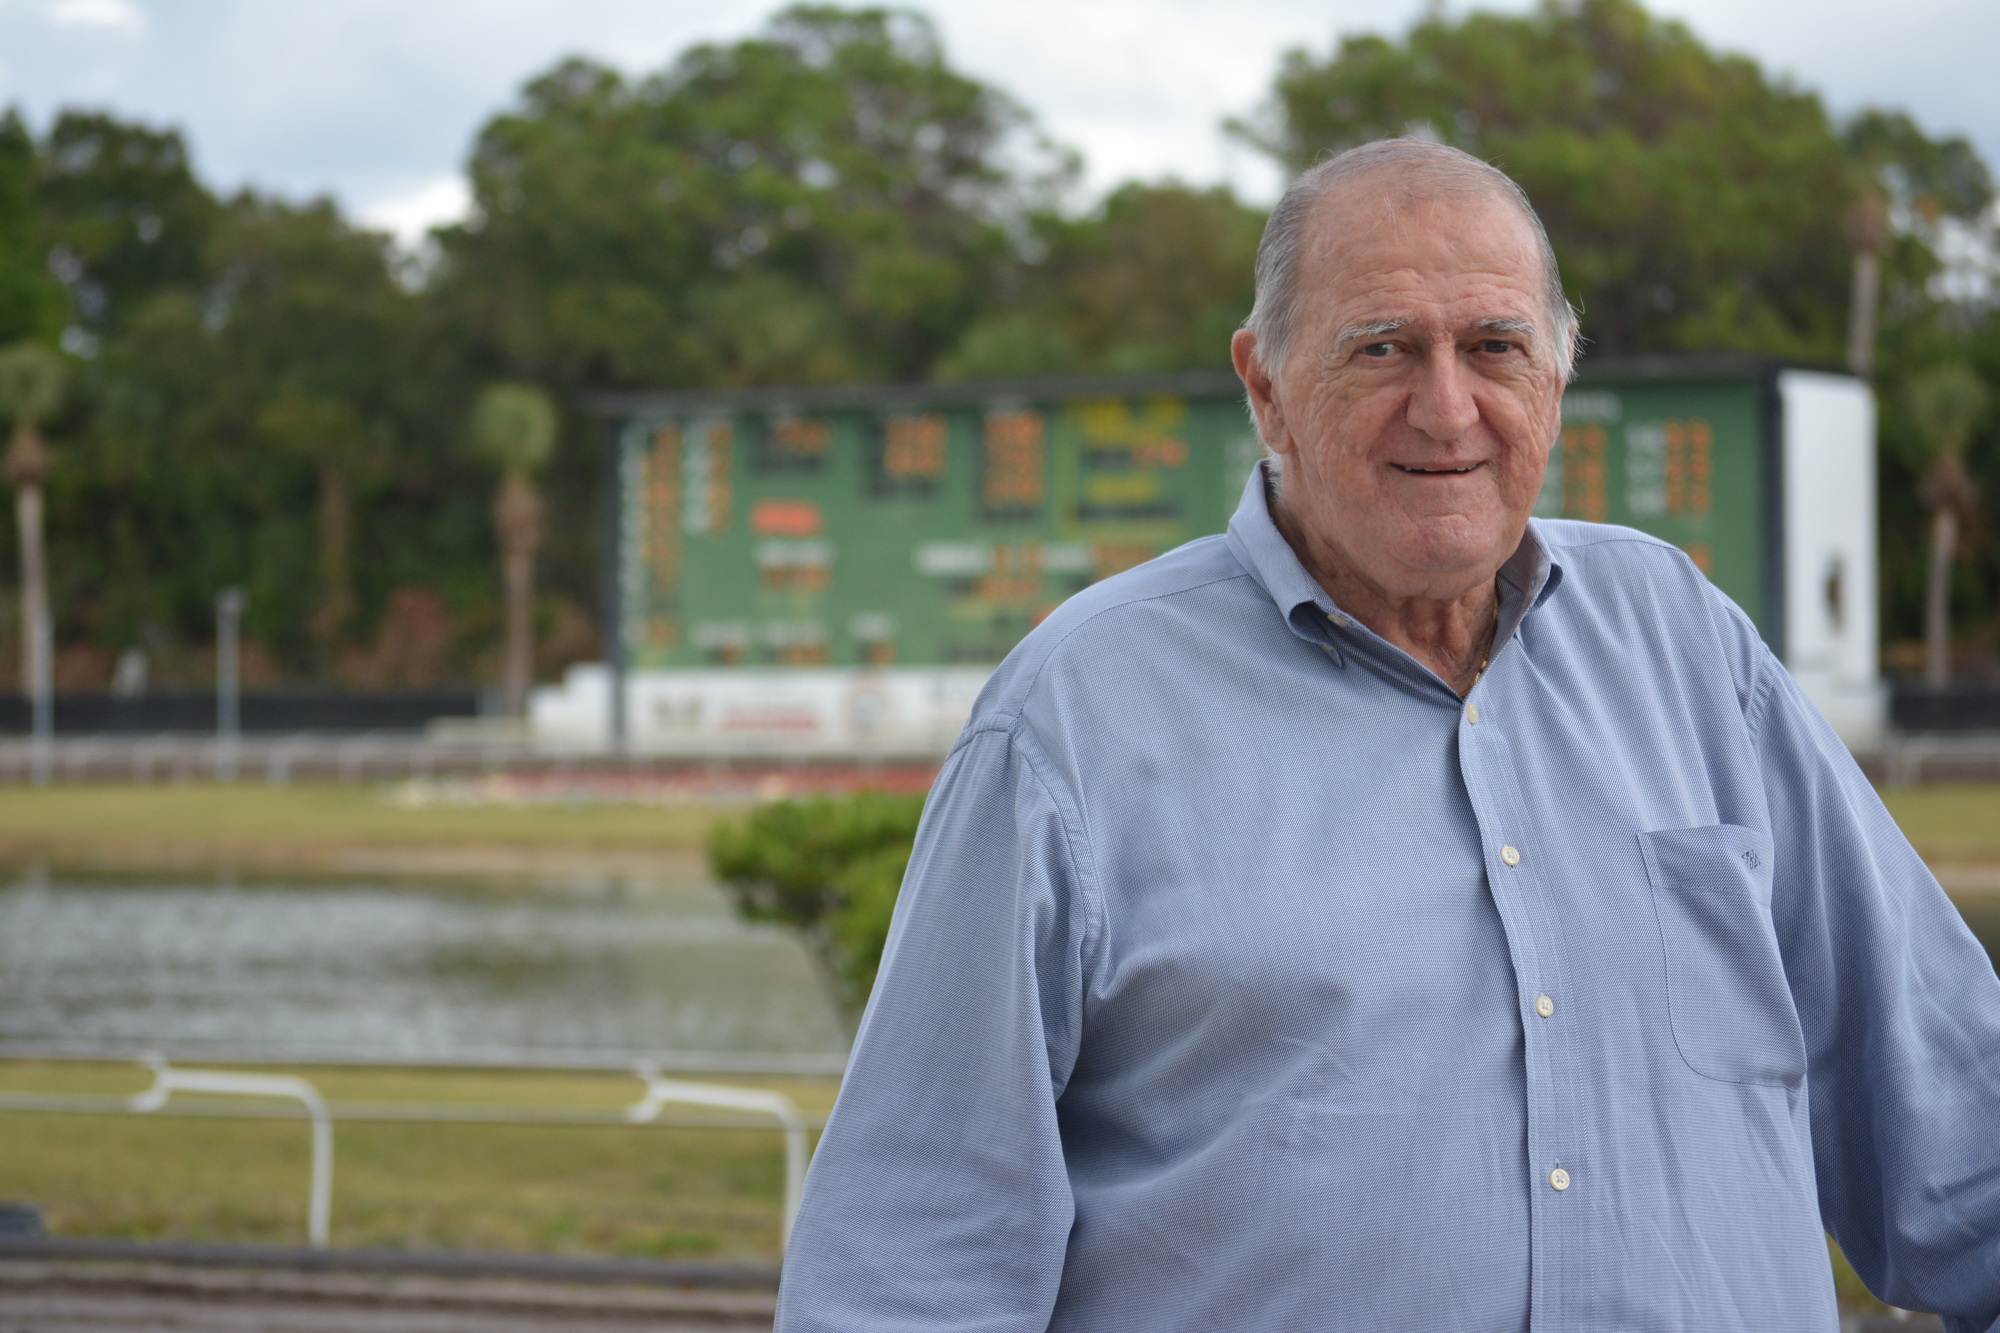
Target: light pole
229	605
41	689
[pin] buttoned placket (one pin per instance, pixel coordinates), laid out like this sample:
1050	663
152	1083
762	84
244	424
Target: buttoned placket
1559	1183
1558	1189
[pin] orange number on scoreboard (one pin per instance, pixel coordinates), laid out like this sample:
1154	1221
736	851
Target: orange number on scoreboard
913	447
1015	461
1690	466
1583	472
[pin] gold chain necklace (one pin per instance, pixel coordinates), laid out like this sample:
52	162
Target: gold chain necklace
1495	631
1484	660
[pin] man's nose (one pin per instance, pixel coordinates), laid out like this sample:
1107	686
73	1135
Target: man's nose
1441	404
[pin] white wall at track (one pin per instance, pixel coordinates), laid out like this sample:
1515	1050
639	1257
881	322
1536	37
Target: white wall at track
771	711
1828	466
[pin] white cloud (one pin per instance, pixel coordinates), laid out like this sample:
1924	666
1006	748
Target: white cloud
410	216
376	101
1142	86
120	16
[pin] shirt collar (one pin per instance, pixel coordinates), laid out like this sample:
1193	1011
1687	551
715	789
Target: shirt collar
1528	578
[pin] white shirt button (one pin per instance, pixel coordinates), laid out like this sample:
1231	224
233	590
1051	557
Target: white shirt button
1340	621
1510	856
1559	1179
1472	714
1544	1006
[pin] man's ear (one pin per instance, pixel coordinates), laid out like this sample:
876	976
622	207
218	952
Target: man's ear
1262	390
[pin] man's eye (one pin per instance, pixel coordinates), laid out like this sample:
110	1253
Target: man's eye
1378	350
1496	347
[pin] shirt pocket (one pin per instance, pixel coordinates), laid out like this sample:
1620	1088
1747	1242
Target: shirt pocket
1727	998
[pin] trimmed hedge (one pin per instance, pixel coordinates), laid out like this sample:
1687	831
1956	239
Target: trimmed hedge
830	866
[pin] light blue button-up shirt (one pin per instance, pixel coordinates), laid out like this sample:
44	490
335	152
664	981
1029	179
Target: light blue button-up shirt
1243	980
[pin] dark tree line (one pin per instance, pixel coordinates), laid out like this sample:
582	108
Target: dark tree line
264	394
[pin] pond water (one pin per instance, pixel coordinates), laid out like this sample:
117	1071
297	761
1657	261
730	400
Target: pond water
578	967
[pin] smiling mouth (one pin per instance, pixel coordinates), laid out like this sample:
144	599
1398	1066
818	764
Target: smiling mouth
1435	471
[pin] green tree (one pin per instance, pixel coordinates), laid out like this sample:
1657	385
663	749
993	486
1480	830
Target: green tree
121	223
1694	202
251	363
1922	185
1163	279
287	379
1155	278
122	215
32	380
317	361
30	303
514	426
328	436
1930	179
827	200
1945	404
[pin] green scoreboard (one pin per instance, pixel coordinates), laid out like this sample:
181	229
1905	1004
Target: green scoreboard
1683	460
910	527
935	525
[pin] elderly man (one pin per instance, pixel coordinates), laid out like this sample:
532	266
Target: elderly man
1398	914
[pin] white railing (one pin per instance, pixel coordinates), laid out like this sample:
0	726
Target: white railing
661	1090
167	1081
744	1064
1906	753
277	760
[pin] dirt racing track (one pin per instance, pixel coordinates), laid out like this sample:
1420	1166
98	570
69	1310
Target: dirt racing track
84	1287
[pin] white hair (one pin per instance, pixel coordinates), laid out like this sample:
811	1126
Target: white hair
1442	169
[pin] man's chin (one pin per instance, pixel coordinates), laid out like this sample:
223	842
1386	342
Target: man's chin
1441	554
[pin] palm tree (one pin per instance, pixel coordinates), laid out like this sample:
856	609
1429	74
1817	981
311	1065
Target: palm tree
514	426
31	389
1868	231
1945	403
328	435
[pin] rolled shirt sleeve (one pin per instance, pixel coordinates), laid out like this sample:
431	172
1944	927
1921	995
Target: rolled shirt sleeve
938	1197
1900	1009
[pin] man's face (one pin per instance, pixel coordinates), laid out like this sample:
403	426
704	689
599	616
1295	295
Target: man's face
1420	396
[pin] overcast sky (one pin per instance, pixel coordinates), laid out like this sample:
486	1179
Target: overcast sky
376	101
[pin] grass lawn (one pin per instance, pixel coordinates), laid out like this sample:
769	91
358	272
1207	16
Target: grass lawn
317	823
658	1192
311	825
1950	822
587	1189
